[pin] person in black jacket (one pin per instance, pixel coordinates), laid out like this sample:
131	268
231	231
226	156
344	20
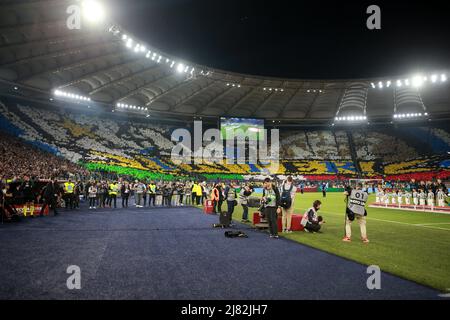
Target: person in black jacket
50	194
272	208
125	192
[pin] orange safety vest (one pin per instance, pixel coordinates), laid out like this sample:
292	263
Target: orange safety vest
215	194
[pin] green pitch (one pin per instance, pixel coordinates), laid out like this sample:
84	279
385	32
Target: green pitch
412	245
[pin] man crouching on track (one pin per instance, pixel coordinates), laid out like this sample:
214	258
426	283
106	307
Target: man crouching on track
356	201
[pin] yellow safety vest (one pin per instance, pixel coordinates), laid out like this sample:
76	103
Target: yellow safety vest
151	188
197	189
69	187
113	188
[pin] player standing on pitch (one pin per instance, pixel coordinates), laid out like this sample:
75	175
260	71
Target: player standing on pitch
356	200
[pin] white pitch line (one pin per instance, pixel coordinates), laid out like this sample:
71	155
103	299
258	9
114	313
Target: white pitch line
429	224
399	222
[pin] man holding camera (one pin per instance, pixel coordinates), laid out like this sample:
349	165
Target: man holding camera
356	201
270	201
288	192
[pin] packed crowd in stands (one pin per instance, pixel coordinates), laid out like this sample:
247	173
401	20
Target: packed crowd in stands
18	159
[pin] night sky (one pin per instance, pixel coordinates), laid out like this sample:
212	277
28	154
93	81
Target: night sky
295	39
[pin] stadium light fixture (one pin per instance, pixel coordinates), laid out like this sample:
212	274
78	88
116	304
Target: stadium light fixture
434	78
180	67
60	93
93	11
417	81
443	77
399	83
409	115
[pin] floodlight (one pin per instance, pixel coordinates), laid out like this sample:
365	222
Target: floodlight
380	85
433	78
417	81
399	83
93	11
443	77
180	67
407	82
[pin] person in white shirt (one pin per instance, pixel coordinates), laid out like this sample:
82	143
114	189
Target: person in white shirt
386	198
415	196
379	195
400	197
393	196
407	197
430	198
441	198
422	197
92	195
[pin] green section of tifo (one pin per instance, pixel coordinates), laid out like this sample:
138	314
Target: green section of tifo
223	176
149	175
135	173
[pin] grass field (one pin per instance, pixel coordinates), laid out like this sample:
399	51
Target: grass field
412	245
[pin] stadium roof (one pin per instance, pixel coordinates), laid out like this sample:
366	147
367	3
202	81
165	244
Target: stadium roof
40	54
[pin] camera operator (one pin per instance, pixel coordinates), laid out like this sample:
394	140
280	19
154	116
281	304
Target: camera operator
245	192
7	211
288	192
51	193
310	220
271	203
356	201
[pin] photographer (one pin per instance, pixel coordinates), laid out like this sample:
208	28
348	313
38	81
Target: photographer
356	201
310	220
231	196
271	201
51	193
288	192
245	192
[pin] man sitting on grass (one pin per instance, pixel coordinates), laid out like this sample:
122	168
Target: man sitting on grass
310	220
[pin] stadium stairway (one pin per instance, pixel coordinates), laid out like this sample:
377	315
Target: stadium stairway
353	154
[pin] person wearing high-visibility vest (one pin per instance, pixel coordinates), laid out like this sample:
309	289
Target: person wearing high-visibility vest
196	193
26	188
69	189
113	189
151	193
215	194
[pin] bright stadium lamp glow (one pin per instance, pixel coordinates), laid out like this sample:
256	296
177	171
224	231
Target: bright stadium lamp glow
443	77
399	83
180	67
417	81
93	11
434	78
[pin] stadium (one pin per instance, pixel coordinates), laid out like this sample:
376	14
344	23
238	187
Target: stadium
93	113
